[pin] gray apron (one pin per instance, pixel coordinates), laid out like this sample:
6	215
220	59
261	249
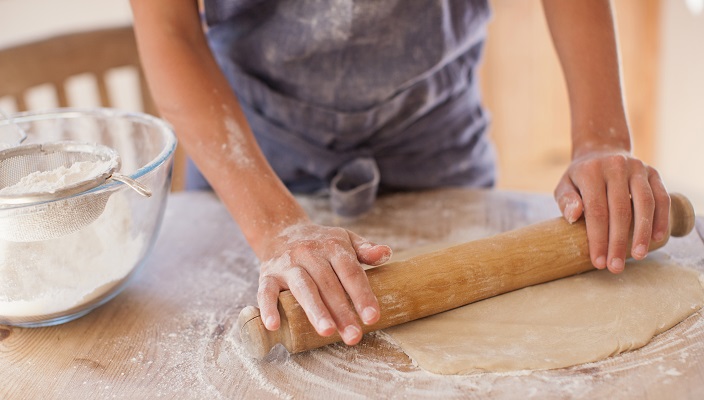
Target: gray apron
349	97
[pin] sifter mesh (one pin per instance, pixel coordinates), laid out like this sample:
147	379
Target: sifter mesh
16	167
34	214
50	220
22	161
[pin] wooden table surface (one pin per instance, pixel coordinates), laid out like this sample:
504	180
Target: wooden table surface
172	334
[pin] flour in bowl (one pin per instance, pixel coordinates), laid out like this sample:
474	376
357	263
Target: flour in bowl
57	178
53	276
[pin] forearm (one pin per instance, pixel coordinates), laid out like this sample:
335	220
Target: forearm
193	95
621	198
584	36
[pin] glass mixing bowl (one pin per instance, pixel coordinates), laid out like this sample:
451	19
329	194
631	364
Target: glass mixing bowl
54	281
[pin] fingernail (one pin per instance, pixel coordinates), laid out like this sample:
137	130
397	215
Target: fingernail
384	258
617	264
600	262
269	323
658	236
368	315
350	333
570	211
366	246
640	251
325	324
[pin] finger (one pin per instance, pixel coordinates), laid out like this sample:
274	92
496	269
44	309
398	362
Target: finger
620	217
335	299
355	281
569	200
369	253
643	211
661	215
306	292
596	215
267	297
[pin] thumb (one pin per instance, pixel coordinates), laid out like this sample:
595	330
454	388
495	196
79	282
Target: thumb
369	253
569	200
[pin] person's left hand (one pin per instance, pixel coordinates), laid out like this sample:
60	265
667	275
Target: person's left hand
614	191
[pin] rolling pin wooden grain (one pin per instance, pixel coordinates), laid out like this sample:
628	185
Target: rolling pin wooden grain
439	281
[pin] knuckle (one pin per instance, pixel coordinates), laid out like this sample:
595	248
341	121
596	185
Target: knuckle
350	273
647	197
636	165
306	247
653	173
644	223
599	238
333	244
619	243
596	210
328	281
622	212
662	197
588	168
647	203
296	277
640	179
598	246
643	234
344	310
262	296
266	295
296	273
265	281
619	161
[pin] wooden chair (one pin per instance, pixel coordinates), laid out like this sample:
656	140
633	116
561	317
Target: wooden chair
55	60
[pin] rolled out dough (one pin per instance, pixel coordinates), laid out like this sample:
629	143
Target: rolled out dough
570	321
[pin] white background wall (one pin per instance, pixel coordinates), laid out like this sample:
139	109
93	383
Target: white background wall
25	20
680	140
680	149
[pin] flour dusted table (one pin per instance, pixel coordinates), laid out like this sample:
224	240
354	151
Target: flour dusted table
171	333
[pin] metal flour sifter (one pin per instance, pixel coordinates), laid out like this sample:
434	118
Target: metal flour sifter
41	215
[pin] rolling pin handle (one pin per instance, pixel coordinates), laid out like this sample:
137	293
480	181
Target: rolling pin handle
257	340
681	215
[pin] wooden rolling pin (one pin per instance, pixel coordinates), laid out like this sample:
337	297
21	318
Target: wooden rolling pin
439	281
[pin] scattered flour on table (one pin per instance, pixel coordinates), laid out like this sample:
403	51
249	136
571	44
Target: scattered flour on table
200	354
57	178
45	277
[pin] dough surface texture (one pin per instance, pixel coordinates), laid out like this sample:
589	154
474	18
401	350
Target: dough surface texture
567	322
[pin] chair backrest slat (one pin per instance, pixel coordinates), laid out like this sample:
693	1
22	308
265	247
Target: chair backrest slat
57	59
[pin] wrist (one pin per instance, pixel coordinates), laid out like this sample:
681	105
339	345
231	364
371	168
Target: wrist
598	136
265	232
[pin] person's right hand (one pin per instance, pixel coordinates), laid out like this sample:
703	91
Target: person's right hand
320	266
